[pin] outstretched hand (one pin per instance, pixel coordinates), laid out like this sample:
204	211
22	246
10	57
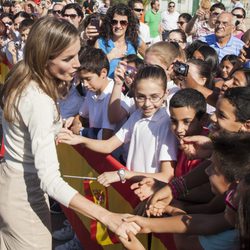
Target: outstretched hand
66	136
132	243
196	147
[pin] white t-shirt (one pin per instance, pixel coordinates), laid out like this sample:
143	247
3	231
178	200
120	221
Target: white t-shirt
169	20
151	141
145	33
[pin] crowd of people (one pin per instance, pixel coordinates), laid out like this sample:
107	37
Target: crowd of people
165	93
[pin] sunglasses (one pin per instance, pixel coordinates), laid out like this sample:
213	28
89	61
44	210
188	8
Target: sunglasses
138	10
123	23
229	200
71	16
171	6
181	23
215	14
238	16
8	23
56	12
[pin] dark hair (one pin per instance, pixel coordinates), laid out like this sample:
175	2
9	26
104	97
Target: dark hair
204	70
153	2
9	15
232	151
26	24
88	58
239	97
246	72
246	36
244	214
150	72
189	98
187	17
239	8
3	29
182	34
7	4
131	3
23	14
190	49
171	2
132	32
74	6
139	63
219	6
231	58
210	56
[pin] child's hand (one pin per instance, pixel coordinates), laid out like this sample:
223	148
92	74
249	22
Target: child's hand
132	243
119	73
108	177
66	136
196	147
164	193
144	188
142	222
158	209
76	125
68	122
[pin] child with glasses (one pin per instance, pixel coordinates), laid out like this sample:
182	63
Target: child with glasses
152	149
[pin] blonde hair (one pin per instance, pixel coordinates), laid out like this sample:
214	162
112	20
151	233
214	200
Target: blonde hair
166	52
47	39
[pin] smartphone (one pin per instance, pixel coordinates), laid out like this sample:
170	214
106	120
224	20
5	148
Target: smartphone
180	68
95	22
247	50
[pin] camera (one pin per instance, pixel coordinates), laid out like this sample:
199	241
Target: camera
180	68
18	45
130	71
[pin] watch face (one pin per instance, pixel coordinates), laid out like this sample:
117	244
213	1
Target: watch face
122	171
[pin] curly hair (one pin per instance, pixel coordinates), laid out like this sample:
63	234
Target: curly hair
132	32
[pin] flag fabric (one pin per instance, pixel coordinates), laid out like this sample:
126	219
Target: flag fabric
118	197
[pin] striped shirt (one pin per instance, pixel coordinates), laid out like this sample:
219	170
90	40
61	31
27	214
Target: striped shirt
233	46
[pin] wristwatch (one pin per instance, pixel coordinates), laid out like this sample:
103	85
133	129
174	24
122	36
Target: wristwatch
122	174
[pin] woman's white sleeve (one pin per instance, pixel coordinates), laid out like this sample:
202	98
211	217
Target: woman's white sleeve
38	115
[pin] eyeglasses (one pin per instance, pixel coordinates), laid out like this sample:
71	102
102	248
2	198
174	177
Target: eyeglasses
71	16
229	200
225	24
174	41
215	14
56	12
171	6
152	99
238	16
121	22
181	23
138	10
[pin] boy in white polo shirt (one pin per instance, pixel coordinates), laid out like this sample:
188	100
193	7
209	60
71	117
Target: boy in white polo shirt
93	74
